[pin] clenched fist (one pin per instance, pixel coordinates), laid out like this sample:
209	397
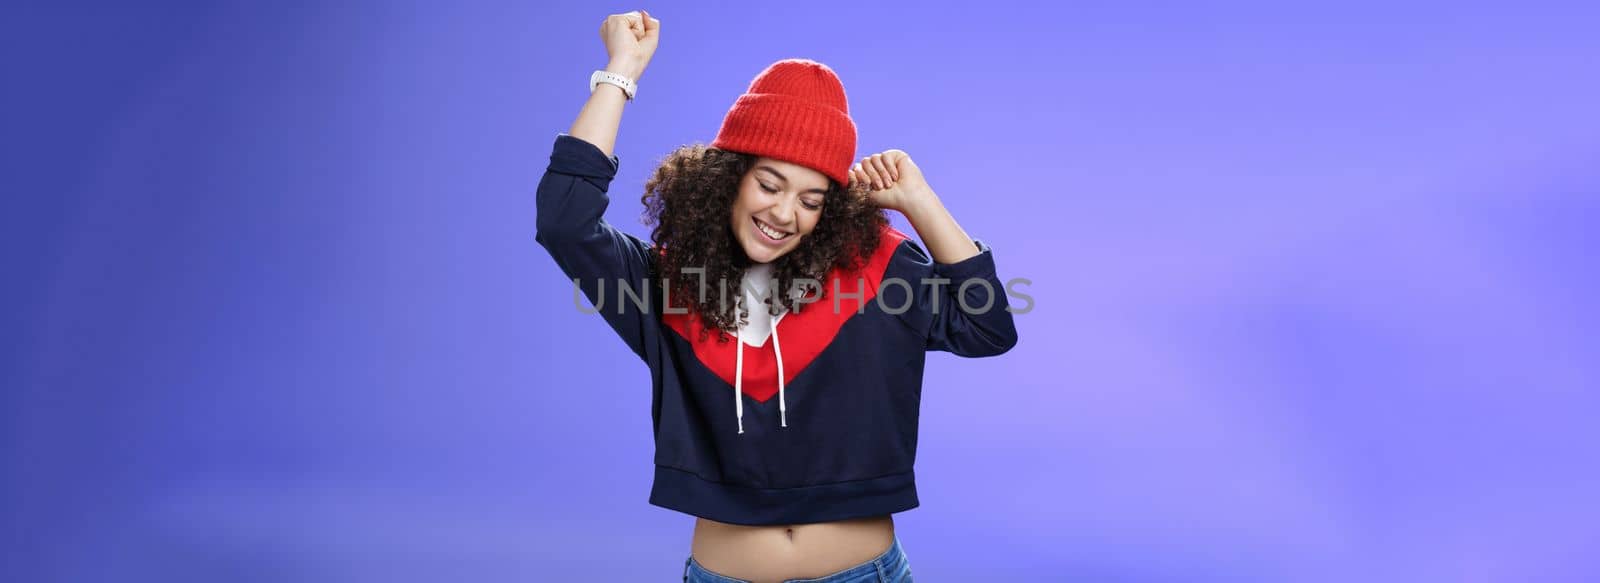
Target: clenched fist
894	179
631	40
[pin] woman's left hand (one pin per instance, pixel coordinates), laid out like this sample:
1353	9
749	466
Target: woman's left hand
895	180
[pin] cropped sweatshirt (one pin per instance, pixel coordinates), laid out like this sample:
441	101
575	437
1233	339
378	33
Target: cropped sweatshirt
817	423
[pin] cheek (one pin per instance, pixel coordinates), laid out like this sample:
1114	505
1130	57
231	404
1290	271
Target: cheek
808	222
742	201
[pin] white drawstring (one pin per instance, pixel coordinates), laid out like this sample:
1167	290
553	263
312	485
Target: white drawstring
738	377
783	409
738	383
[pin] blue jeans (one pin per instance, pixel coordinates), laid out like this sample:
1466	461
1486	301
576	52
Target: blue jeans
889	567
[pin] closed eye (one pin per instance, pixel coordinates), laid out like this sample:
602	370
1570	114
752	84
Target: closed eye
808	204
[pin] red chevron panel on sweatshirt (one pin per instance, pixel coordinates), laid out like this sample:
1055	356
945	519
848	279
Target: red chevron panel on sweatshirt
803	334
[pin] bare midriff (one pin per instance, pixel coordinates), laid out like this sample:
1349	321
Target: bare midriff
772	554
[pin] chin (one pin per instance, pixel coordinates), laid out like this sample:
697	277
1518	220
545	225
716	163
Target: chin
762	254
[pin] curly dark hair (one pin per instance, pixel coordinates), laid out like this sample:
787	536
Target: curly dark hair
688	201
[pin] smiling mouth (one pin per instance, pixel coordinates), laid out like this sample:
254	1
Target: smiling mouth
772	233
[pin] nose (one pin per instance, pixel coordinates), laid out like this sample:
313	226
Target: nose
783	212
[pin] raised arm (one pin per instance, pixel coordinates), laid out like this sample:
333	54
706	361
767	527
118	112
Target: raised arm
631	41
572	198
968	315
897	184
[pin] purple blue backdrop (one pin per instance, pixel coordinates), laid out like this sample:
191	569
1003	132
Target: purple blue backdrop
1315	287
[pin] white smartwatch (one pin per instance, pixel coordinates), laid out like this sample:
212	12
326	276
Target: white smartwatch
604	76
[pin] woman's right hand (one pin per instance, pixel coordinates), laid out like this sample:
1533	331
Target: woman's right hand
631	40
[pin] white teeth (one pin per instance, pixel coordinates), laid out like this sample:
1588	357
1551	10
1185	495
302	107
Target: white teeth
775	234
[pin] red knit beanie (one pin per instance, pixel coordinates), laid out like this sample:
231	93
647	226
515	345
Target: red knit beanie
794	111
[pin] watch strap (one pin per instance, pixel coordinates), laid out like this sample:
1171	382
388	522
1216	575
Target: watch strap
629	87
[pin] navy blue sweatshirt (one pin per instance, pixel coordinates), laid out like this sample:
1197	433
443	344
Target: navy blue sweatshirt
840	438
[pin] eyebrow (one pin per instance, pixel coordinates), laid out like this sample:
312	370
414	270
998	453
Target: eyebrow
786	179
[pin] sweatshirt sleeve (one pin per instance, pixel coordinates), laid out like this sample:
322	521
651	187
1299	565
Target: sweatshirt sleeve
571	203
960	307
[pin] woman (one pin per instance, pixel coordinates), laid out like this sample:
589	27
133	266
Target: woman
773	274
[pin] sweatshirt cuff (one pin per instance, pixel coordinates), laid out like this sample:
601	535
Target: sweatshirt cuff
578	157
980	265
